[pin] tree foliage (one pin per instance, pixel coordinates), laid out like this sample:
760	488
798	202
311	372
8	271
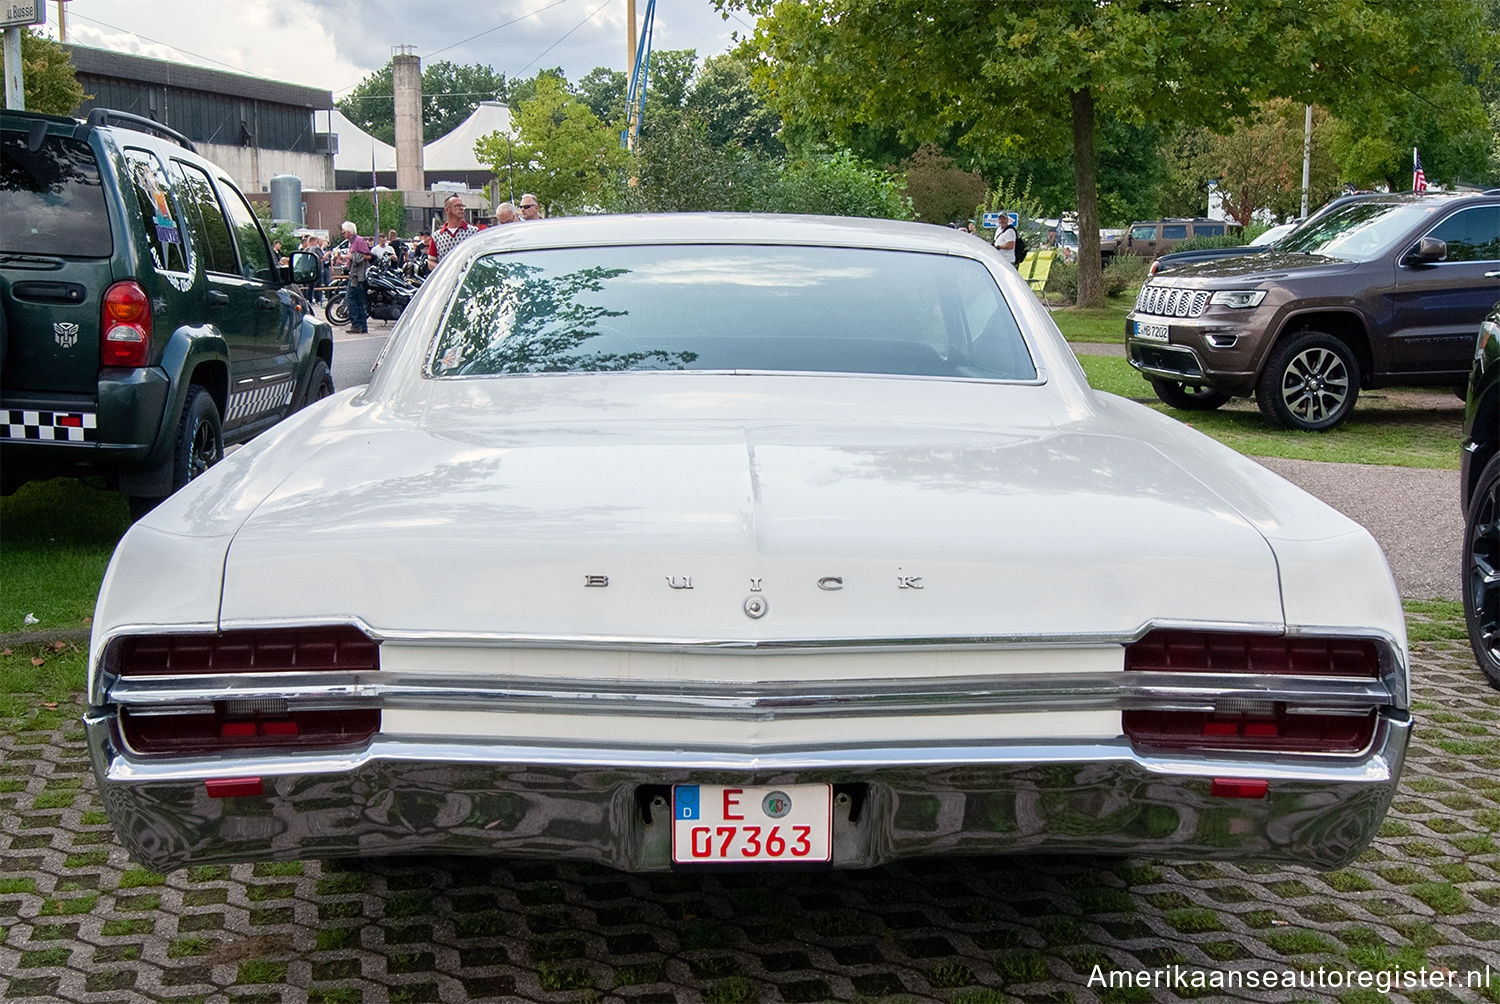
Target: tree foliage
941	191
450	93
1258	166
50	83
360	210
603	90
562	152
732	109
1000	78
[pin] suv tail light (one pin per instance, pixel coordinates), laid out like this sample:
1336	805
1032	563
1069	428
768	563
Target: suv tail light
1240	724
125	326
255	722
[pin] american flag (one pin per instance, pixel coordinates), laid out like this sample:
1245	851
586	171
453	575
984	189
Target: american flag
1418	177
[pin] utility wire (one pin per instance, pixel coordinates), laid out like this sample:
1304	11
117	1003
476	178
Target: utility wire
560	41
497	27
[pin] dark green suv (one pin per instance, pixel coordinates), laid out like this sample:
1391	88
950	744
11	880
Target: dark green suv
144	322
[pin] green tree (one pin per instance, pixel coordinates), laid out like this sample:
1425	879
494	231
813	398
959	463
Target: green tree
359	210
732	109
940	191
837	184
562	151
603	90
50	81
450	93
1258	166
1002	77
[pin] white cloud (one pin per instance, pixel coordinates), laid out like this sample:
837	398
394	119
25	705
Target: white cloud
334	44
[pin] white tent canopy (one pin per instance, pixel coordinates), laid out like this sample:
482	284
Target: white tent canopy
455	151
356	147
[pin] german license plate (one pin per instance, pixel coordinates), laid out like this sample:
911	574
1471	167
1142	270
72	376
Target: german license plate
1153	332
781	823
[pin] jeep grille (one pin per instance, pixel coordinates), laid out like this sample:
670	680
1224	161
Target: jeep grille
1170	301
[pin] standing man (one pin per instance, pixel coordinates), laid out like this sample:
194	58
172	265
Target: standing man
455	230
359	267
398	247
530	210
506	213
1005	239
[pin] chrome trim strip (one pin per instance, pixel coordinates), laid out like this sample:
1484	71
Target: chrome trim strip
780	699
1372	765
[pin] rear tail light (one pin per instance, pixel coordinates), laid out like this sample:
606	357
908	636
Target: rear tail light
248	723
125	326
1238	724
217	732
292	650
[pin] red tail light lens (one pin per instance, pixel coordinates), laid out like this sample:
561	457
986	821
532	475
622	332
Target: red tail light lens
1207	652
295	650
220	732
125	326
1248	724
255	723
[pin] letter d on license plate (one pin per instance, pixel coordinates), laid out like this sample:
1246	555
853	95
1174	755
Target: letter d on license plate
713	824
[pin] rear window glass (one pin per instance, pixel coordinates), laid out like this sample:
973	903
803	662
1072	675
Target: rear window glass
1174	231
51	198
789	309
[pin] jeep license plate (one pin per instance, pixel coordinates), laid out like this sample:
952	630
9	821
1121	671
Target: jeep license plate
1152	332
715	824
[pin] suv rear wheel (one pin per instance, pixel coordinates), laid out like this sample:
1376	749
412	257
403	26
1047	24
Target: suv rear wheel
1187	397
1482	570
200	445
1310	382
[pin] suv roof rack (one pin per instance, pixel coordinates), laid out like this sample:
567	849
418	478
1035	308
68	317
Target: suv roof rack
105	116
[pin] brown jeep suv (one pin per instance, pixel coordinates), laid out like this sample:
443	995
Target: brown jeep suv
1382	291
1150	238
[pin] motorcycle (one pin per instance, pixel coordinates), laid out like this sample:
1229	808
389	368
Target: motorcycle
387	292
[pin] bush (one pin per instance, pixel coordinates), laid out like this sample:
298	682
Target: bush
1123	273
1062	282
1227	241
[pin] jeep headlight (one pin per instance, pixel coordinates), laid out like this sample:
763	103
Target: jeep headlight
1238	297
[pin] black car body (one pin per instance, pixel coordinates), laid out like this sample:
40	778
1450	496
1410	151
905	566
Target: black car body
145	322
1385	290
1480	481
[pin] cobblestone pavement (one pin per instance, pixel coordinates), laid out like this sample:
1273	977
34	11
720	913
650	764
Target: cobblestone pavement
81	923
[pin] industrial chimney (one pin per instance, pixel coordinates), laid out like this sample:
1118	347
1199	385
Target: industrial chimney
406	71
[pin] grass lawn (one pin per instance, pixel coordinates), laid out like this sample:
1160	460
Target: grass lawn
1388	426
55	544
1095	324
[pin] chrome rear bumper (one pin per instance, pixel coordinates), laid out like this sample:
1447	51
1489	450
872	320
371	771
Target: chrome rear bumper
398	797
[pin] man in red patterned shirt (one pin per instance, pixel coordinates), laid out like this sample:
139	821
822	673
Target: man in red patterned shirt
455	229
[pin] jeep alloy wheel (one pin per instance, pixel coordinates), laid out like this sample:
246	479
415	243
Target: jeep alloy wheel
1310	382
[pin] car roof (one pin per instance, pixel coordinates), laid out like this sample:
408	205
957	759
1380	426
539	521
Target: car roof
726	228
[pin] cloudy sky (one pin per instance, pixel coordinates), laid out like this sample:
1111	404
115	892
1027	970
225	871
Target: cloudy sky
334	44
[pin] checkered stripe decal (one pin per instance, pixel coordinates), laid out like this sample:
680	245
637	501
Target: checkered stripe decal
270	397
50	426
